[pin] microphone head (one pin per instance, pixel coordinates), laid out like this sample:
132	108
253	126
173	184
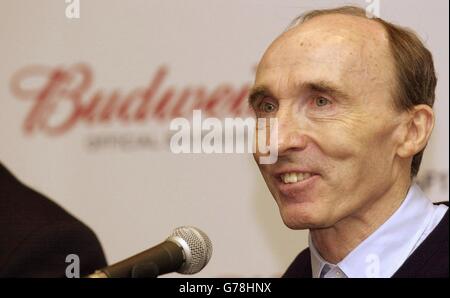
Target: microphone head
197	248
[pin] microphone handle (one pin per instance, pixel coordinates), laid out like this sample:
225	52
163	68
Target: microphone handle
163	258
97	274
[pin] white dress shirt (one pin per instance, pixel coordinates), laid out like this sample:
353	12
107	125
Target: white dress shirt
385	250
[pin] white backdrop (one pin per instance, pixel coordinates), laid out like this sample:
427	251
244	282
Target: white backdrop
110	165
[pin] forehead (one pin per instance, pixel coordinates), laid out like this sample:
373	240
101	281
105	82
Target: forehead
345	50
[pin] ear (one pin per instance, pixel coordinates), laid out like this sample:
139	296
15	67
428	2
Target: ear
419	127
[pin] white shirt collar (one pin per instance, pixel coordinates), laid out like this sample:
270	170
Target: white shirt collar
385	250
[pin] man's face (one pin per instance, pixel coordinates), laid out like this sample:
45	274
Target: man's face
329	83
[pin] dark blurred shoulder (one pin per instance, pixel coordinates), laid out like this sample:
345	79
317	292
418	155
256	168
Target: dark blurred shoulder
36	233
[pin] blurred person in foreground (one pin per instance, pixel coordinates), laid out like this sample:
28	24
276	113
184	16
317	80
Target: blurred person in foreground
36	235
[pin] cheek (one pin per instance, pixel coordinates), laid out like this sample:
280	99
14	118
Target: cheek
355	150
379	151
337	140
366	154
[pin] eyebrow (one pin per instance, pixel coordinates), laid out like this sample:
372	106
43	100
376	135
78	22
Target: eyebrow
258	92
328	88
319	86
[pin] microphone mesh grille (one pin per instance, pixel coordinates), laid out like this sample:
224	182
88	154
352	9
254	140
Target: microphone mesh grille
200	248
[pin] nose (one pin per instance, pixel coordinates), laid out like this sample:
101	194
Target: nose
292	135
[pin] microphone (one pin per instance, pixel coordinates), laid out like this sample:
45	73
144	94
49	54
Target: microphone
187	251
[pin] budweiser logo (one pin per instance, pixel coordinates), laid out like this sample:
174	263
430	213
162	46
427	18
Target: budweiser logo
62	97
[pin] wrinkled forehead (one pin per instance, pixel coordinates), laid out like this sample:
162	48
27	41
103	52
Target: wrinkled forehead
344	48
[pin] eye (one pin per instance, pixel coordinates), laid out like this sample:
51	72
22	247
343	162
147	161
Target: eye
321	101
267	107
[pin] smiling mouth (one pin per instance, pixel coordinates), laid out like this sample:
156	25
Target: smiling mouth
294	177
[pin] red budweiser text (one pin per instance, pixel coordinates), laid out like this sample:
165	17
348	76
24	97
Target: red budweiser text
62	97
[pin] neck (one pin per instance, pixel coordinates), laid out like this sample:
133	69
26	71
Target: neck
336	242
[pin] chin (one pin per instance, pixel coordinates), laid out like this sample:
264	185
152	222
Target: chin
302	217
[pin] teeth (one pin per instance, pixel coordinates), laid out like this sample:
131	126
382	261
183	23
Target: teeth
295	177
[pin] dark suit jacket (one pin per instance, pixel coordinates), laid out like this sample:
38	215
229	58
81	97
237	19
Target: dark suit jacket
36	234
430	259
